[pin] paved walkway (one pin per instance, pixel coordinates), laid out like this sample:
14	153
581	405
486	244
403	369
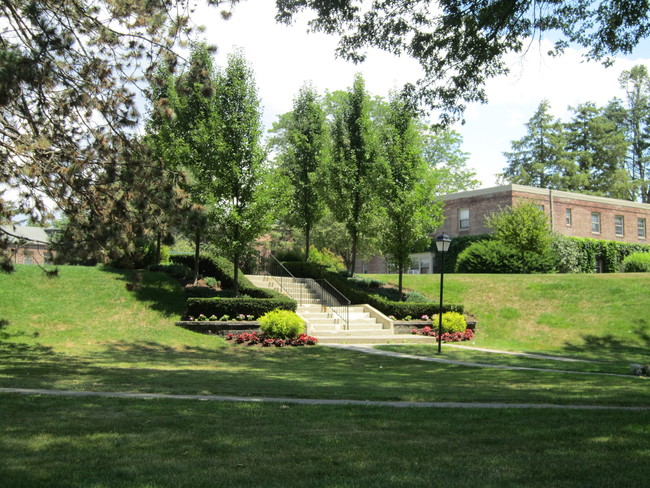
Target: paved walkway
310	401
370	349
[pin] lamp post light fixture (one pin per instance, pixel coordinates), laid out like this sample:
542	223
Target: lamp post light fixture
442	244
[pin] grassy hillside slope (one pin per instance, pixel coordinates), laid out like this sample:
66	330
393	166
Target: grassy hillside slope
600	316
89	308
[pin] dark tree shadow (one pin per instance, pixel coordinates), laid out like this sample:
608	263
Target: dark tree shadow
614	348
158	290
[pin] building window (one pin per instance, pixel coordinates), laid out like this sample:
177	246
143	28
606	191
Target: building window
619	225
595	223
640	225
567	216
463	218
27	258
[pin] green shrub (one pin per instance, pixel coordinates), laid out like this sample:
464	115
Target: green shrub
235	306
178	271
213	282
219	268
487	257
638	262
568	254
289	255
451	322
282	324
497	257
326	258
416	297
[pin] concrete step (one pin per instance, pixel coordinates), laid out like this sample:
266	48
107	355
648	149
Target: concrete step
377	339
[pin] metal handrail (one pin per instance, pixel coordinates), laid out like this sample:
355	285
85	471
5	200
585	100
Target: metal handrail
330	296
335	300
279	272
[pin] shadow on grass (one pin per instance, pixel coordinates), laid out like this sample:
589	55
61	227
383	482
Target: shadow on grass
307	372
612	348
158	290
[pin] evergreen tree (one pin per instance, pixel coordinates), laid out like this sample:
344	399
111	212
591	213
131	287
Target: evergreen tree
539	158
69	73
598	147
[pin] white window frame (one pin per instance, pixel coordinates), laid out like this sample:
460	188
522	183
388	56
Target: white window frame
595	222
619	225
568	217
641	228
463	223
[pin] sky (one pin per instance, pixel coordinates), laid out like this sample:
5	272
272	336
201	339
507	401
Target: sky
284	57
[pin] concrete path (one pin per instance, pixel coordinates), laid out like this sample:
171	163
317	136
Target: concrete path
310	401
370	349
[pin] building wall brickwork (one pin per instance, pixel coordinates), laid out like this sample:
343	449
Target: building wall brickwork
557	205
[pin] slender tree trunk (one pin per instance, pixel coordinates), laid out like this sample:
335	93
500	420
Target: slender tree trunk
353	260
197	252
400	270
307	241
158	239
236	274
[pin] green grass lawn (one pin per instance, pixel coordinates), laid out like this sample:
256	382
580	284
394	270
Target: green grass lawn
93	442
85	331
592	316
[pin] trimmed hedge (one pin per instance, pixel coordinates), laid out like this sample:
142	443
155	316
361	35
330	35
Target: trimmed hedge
610	253
254	301
357	296
234	306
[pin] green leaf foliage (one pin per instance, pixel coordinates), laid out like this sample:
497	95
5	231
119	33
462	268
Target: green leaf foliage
282	324
638	262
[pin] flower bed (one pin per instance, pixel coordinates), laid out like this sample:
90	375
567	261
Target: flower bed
447	336
220	328
254	338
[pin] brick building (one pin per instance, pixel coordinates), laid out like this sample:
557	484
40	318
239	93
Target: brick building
28	245
570	214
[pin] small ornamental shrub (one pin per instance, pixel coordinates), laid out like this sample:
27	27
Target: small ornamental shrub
637	262
451	322
282	324
640	369
210	281
415	297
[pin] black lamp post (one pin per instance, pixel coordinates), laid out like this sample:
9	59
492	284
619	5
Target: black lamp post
442	244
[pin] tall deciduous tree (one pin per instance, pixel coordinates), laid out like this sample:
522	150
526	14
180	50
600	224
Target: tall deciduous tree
636	83
242	204
447	161
408	194
355	169
303	149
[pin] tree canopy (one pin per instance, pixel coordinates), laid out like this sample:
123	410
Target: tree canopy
460	44
69	76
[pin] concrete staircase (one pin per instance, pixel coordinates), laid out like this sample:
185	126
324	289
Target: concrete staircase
365	325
